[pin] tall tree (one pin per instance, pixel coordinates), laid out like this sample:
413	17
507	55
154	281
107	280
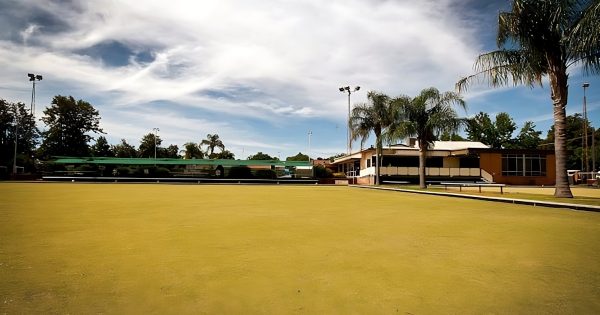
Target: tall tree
262	156
192	151
528	137
124	150
573	133
497	134
171	152
223	155
102	148
374	116
539	38
69	123
447	136
14	119
425	117
298	157
149	143
212	142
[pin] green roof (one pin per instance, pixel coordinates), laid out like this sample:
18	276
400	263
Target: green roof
161	161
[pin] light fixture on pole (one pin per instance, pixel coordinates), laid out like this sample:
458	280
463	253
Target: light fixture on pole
156	130
346	89
584	156
16	139
308	153
33	78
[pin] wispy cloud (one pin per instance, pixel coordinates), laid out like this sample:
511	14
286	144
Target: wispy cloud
234	60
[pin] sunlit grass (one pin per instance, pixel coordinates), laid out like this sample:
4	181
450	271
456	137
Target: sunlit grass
155	248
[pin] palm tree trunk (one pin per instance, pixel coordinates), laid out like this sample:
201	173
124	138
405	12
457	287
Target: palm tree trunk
422	157
377	160
559	90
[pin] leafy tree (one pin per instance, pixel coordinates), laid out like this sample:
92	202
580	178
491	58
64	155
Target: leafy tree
573	133
223	155
335	156
102	148
480	128
212	142
505	126
375	116
148	144
447	136
262	156
528	137
171	152
124	150
497	134
26	131
298	157
539	38
192	151
69	123
425	116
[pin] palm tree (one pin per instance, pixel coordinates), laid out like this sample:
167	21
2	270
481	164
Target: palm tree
425	117
375	116
212	142
539	38
192	151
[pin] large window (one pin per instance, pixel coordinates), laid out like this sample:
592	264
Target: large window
523	165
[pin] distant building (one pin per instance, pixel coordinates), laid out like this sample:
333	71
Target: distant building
452	160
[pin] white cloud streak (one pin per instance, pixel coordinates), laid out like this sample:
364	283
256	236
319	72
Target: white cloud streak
291	55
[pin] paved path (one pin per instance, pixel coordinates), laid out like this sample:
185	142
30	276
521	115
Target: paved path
488	198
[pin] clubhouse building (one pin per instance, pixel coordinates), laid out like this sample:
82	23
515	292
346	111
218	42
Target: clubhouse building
452	161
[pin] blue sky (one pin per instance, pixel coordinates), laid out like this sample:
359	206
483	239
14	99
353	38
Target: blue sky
261	74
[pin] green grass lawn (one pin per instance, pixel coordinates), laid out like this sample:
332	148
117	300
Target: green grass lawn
157	248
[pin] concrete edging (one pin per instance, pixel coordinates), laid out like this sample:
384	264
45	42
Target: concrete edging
495	199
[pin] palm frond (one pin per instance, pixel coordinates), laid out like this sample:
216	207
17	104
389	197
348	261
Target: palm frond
503	67
584	38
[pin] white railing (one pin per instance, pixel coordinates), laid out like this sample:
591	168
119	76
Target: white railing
487	176
429	171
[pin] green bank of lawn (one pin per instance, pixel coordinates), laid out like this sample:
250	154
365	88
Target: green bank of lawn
126	248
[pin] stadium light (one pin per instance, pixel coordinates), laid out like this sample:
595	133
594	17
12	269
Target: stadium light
347	89
33	78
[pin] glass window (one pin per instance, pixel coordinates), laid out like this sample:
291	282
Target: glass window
523	165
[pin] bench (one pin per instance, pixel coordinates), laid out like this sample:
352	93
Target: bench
479	185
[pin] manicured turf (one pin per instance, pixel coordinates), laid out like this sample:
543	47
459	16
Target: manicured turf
126	248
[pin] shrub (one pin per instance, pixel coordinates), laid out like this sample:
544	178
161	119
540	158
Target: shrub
123	171
266	174
240	172
321	171
162	172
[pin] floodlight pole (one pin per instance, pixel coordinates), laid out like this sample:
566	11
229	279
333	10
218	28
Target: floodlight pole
345	89
33	78
308	153
584	156
16	140
156	130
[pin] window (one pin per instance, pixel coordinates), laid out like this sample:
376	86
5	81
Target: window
368	163
523	165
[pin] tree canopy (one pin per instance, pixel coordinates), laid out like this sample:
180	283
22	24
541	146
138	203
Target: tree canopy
69	123
262	156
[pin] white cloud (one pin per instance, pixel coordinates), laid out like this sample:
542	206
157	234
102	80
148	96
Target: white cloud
291	55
